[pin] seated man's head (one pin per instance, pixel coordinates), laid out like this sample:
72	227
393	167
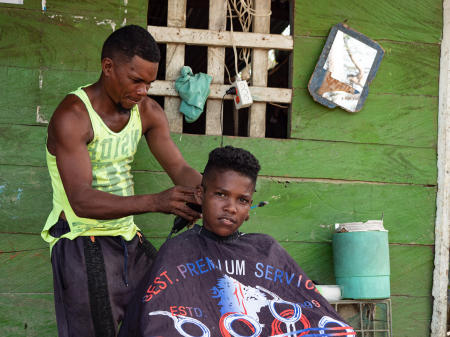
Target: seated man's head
227	188
130	58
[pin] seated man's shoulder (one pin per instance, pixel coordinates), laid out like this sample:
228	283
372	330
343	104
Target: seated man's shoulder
259	237
182	239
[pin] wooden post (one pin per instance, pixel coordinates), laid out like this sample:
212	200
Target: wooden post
216	61
176	17
261	24
440	274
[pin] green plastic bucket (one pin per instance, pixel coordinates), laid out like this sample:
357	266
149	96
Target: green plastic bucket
361	264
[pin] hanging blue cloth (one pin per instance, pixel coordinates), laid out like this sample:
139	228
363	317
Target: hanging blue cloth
193	90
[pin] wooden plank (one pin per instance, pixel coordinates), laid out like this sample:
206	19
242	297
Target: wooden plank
315	159
283	158
20	94
33	314
411	266
216	61
385	119
307	211
12	243
56	84
411	270
44	88
27	315
176	17
29	142
417	76
121	12
57	41
303	211
411	316
18	266
203	37
86	8
420	21
316	260
72	43
441	263
257	113
21	38
259	94
25	5
25	198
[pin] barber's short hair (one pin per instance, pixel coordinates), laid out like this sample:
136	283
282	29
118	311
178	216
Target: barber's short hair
129	41
235	159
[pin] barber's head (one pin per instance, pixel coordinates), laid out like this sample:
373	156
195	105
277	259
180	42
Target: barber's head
227	188
130	58
130	41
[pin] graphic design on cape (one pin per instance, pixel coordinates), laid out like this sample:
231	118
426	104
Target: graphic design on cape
240	305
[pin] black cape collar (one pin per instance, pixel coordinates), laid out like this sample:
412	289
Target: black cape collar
204	232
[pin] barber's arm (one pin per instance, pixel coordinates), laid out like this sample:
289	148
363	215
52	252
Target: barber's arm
158	138
69	132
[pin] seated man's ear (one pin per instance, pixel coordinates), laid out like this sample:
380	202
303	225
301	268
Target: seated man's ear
248	213
198	195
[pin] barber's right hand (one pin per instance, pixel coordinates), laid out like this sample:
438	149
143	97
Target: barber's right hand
173	201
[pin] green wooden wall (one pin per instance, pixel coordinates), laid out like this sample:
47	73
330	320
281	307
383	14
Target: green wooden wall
337	167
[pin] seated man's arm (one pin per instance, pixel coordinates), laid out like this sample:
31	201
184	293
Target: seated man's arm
69	133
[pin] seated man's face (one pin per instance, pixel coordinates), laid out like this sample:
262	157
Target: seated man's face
226	200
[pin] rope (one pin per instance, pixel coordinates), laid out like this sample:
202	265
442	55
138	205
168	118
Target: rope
245	13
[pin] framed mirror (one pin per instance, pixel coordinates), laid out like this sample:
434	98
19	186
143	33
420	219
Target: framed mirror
346	66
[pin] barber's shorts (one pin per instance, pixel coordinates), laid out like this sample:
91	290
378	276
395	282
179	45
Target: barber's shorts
94	278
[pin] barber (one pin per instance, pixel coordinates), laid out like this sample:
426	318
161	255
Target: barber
98	253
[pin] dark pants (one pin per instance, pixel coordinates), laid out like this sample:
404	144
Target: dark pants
94	279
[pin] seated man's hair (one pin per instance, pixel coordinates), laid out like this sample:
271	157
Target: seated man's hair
129	41
232	158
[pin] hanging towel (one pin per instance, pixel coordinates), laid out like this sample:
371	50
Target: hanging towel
193	90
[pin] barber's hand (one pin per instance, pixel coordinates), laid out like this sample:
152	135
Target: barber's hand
173	201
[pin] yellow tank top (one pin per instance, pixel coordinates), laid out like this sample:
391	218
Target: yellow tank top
111	154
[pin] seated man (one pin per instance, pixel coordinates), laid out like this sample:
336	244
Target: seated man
216	281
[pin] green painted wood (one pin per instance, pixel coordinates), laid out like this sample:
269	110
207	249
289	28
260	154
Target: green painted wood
112	9
56	84
401	20
26	272
313	159
21	145
307	211
21	38
13	243
72	43
406	68
18	266
411	316
385	119
20	94
26	144
411	265
27	315
56	41
32	315
302	211
25	199
109	8
25	89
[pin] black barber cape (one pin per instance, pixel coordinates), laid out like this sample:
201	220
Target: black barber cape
242	285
